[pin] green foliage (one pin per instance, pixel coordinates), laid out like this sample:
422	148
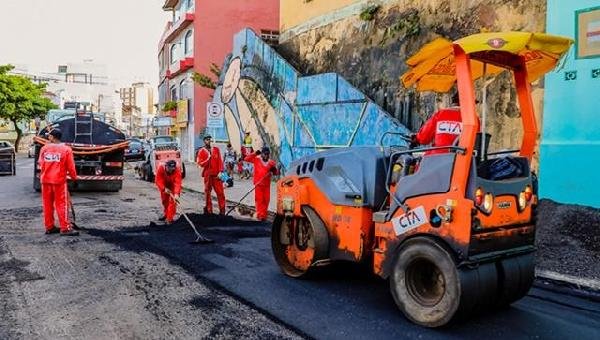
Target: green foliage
169	106
205	80
215	69
369	12
408	25
21	99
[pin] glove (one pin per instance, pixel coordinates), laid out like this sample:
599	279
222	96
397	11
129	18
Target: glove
167	191
273	170
176	198
257	152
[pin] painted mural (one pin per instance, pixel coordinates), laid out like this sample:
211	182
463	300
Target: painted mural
294	115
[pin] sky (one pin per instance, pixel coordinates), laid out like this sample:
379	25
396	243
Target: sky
122	34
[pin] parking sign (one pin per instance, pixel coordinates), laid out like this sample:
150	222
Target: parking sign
214	115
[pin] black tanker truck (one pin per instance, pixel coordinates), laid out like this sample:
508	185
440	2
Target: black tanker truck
98	149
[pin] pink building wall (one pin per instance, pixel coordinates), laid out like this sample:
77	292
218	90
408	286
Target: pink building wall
215	24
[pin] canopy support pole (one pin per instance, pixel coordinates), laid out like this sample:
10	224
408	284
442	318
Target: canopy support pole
483	113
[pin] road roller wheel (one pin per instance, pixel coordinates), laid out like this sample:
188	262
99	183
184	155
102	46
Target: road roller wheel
425	282
516	276
298	242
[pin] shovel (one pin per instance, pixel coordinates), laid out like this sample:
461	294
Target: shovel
199	238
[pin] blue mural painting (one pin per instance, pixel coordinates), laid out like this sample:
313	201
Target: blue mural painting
309	113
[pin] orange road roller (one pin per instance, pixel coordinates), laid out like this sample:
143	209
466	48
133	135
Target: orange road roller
453	231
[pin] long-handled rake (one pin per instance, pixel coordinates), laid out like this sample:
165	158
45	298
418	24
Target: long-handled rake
199	238
246	195
74	217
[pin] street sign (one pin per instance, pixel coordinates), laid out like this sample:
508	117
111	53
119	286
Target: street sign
162	122
215	115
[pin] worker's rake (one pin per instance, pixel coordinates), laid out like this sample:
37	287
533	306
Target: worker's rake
199	238
239	203
73	220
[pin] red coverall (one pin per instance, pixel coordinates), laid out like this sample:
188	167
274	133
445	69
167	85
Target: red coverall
173	183
442	129
55	162
262	180
212	165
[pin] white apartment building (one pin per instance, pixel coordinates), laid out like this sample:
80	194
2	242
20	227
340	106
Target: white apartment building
176	66
85	82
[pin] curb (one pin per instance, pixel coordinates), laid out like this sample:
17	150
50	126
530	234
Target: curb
568	284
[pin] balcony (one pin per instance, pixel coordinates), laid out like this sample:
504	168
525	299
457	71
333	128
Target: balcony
180	67
176	28
163	37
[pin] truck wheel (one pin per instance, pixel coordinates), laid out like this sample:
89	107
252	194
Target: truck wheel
299	242
425	283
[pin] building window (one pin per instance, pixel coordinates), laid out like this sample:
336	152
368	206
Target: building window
189	4
173	93
161	62
62	68
188	42
173	53
182	89
270	37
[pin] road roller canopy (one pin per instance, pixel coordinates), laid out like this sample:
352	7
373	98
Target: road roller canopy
433	68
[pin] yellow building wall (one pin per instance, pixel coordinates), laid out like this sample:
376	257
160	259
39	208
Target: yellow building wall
295	12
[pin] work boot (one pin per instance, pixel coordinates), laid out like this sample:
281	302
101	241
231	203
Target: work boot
69	232
207	212
162	218
53	230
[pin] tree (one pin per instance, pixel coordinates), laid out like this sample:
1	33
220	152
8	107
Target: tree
21	100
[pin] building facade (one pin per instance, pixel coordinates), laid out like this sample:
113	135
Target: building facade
85	82
570	147
199	35
137	106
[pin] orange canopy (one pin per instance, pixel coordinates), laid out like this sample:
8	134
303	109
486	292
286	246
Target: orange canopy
433	67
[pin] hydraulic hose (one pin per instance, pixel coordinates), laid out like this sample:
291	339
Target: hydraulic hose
88	150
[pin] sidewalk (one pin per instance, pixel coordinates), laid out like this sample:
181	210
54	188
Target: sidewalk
194	182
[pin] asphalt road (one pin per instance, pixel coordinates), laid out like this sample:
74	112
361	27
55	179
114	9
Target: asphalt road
124	278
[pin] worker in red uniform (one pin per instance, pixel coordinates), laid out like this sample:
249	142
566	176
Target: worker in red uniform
263	169
168	181
209	159
56	162
442	129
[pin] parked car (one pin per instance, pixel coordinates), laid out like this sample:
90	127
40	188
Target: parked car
135	151
164	141
7	159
